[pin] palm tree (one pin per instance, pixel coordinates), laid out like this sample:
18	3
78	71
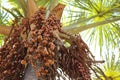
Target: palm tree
110	69
96	20
99	18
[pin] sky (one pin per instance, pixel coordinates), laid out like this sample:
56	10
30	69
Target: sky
6	4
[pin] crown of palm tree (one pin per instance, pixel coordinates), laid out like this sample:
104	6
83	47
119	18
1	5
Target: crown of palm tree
97	20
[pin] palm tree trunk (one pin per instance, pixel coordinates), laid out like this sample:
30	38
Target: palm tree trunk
5	30
32	8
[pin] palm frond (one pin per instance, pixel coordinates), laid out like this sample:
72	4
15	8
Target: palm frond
42	3
110	68
1	40
100	19
4	17
4	21
19	4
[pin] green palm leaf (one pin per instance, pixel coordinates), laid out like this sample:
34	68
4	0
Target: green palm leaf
4	20
99	19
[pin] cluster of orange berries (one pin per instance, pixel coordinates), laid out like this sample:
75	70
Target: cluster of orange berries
36	42
74	60
41	43
11	55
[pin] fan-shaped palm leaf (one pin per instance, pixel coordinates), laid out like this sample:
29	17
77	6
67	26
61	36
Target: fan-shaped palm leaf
111	68
99	18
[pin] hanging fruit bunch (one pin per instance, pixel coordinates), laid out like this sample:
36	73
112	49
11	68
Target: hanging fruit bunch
75	59
11	54
40	42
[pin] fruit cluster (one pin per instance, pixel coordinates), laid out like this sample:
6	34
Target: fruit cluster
11	55
41	44
74	60
37	42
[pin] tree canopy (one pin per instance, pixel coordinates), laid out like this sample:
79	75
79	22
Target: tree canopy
98	22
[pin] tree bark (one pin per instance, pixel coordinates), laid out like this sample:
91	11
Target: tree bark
5	30
32	8
30	73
